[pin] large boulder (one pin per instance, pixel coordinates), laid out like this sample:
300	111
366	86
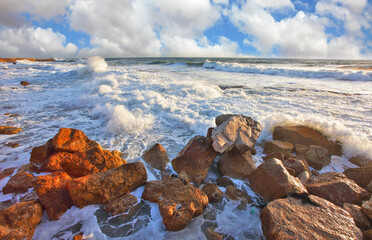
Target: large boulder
277	146
337	188
53	194
317	157
236	165
195	159
367	209
104	187
293	165
19	220
9	130
124	204
360	161
306	136
237	131
362	176
357	214
19	183
307	217
156	157
271	180
178	203
74	153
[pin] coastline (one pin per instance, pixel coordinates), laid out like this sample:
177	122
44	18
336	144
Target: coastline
14	60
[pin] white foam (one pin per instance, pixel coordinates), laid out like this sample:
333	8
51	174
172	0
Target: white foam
97	64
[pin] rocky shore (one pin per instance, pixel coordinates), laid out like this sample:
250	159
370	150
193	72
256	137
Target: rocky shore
296	201
14	60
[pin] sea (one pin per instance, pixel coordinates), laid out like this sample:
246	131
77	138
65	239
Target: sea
129	104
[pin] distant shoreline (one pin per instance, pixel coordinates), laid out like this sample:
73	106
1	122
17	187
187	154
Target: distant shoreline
13	60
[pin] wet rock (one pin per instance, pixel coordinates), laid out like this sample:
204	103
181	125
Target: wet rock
236	165
317	157
53	194
195	159
337	188
237	131
156	157
271	180
236	194
19	183
78	236
360	161
277	146
304	177
362	176
24	83
314	218
224	182
357	214
211	234
124	204
12	144
184	178
74	153
104	187
367	209
213	192
178	203
306	136
9	130
19	220
7	172
293	165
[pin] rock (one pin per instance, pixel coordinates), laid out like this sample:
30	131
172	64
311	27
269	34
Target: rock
156	157
237	131
74	153
211	234
307	218
337	188
300	149
209	132
184	178
78	237
306	136
357	214
315	173
369	187
24	83
123	204
235	194
12	144
236	165
195	159
224	182
19	183
277	146
213	192
360	161
223	118
9	130
271	180
53	194
367	209
7	172
19	220
104	187
304	177
317	157
178	203
293	165
362	176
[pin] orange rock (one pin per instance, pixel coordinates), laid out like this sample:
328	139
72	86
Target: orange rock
104	187
293	165
277	146
24	83
53	194
124	204
236	194
236	165
213	192
19	220
156	157
7	172
357	214
19	183
9	130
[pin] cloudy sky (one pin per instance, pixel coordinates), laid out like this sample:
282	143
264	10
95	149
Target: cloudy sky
337	29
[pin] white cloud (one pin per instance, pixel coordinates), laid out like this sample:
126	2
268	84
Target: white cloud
34	42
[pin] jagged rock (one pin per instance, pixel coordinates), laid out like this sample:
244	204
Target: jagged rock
306	136
184	178
7	172
357	214
9	130
178	203
19	183
235	194
53	194
104	187
19	220
304	177
213	192
236	165
337	188
237	131
307	218
300	149
362	176
195	159
277	146
271	180
156	157
360	161
74	153
24	83
367	208
293	165
317	157
124	204
224	182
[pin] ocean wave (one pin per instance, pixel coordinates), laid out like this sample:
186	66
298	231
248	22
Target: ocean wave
305	72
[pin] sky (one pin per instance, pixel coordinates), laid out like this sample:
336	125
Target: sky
323	29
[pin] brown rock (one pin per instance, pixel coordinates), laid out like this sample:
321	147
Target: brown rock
122	204
306	136
369	187
293	165
213	192
184	178
304	177
238	132
362	176
300	149
78	237
24	83
367	209
102	188
9	130
224	182
235	194
7	172
315	173
53	194
178	203
211	234
337	188
40	154
12	144
277	146
224	117
19	220
156	157
367	234
357	214
317	157
236	165
271	180
19	183
360	161
315	218
195	159
209	132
